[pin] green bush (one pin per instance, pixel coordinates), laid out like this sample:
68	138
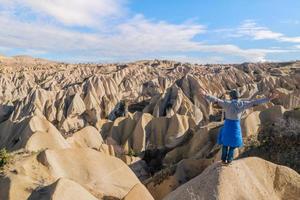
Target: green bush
4	157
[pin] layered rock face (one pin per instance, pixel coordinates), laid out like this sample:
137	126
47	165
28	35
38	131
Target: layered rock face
109	131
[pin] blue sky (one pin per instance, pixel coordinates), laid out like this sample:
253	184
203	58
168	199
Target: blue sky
202	31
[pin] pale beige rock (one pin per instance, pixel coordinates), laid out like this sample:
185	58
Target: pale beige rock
251	124
50	111
86	137
141	131
98	173
40	97
178	125
107	149
272	114
129	160
62	189
159	126
199	146
77	106
175	99
71	125
249	178
91	102
121	129
138	192
24	177
34	133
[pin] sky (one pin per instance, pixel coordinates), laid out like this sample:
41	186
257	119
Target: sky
197	31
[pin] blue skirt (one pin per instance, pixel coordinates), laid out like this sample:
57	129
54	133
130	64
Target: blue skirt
231	134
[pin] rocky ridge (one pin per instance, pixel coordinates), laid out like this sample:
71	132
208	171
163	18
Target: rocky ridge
147	113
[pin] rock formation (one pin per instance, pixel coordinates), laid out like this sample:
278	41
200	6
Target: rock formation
250	178
123	131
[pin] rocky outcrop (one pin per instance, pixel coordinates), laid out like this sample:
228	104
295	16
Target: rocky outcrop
147	114
141	131
62	189
48	175
168	180
174	101
88	137
32	133
246	178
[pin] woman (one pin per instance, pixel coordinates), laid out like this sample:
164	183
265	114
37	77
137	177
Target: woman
230	135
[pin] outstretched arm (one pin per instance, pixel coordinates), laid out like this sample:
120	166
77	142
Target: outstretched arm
255	102
211	98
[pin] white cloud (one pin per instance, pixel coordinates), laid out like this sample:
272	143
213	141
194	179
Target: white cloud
126	39
71	12
250	28
136	36
290	39
143	35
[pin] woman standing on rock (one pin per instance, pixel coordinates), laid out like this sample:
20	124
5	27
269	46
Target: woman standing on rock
230	135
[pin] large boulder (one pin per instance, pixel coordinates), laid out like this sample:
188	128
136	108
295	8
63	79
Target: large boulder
249	178
62	189
93	174
99	173
33	133
122	128
86	137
